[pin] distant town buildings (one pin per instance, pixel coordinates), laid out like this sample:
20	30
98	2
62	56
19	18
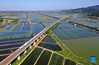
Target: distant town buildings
4	20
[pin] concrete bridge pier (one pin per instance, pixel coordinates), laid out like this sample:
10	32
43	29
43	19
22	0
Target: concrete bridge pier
43	35
30	47
18	58
38	40
40	37
10	64
34	43
25	52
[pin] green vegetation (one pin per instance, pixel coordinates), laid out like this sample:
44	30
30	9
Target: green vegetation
45	17
67	53
84	47
15	21
44	58
43	24
1	18
28	52
50	44
32	57
42	55
56	60
69	62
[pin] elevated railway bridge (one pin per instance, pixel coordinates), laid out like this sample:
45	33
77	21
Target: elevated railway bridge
35	41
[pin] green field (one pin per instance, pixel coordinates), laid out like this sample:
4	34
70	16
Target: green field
56	60
32	57
84	47
82	41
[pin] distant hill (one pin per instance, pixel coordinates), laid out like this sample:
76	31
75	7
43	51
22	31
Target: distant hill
90	11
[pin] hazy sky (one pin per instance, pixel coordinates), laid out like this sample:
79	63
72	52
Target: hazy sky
8	5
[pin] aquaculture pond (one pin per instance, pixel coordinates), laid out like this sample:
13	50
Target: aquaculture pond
7	46
8	27
50	43
43	57
69	31
80	40
36	28
32	57
36	19
26	27
23	19
14	36
5	35
87	23
18	27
